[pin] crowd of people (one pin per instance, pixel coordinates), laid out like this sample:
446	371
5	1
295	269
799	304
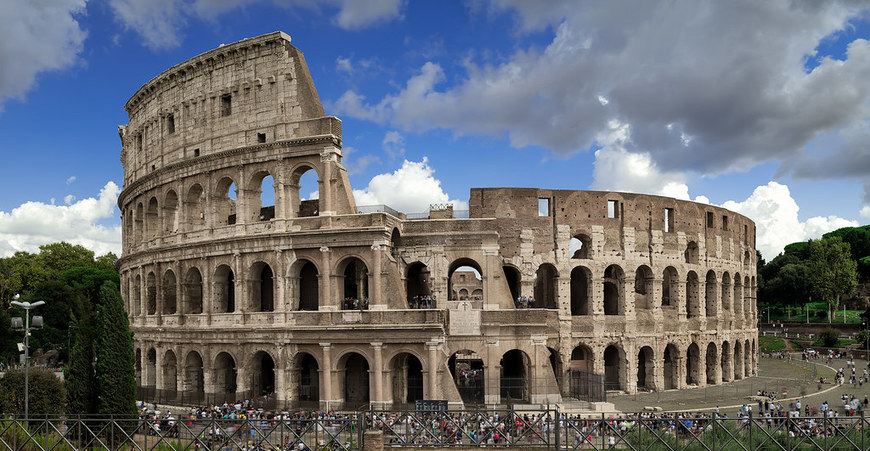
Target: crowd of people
525	302
422	302
352	303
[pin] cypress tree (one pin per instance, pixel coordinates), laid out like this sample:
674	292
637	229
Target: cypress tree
115	357
81	382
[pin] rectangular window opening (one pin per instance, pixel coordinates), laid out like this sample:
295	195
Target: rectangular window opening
725	222
139	141
226	105
669	219
170	124
261	137
710	219
543	207
745	234
612	209
196	152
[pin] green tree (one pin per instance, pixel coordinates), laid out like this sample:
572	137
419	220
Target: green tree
47	393
832	272
81	381
106	262
115	358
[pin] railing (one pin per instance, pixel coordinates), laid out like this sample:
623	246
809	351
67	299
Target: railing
545	429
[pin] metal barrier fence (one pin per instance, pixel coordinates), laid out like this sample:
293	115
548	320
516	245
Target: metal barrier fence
545	429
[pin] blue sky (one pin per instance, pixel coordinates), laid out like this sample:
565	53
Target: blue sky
763	107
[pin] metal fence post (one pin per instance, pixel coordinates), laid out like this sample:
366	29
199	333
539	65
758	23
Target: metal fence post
558	420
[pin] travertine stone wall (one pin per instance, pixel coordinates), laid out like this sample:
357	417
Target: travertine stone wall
231	297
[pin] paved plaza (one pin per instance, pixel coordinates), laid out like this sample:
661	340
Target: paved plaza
790	380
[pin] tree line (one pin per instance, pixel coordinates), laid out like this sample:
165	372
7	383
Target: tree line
86	329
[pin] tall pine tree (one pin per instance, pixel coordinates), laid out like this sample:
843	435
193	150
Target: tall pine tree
115	358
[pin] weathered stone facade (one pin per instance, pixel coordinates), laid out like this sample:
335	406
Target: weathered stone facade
232	298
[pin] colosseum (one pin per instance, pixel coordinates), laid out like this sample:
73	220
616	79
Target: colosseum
238	287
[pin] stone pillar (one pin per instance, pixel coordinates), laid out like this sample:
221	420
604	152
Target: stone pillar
680	369
326	301
702	367
326	375
326	183
158	368
278	299
492	373
433	391
378	375
375	294
280	194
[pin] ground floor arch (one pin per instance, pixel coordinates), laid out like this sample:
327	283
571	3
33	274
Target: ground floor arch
614	368
646	369
467	370
355	380
406	378
515	366
262	374
307	379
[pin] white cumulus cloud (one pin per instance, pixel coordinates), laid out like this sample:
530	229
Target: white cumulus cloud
33	224
409	189
865	212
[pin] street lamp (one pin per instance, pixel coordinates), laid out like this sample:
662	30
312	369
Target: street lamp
16	324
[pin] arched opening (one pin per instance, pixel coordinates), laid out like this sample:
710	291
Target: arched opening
262	374
646	369
580	246
407	378
225	202
170	212
613	368
693	307
747	359
693	368
139	221
151	368
738	360
580	278
464	273
152	219
151	293
725	363
194	378
224	289
170	374
466	368
712	359
643	288
193	291
309	294
671	373
304	192
584	383
262	288
691	253
395	243
710	290
309	378
514	384
556	365
670	281
356	380
738	294
356	284
726	292
137	295
545	293
613	284
169	293
194	207
747	297
264	197
512	277
747	260
225	376
417	285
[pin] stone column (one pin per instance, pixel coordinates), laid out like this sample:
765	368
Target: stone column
702	367
492	373
433	389
375	295
279	301
378	374
326	302
326	157
326	375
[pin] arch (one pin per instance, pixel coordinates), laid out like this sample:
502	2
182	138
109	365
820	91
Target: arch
309	288
406	372
467	369
464	272
726	291
580	246
738	294
139	222
693	307
262	195
646	369
194	207
194	376
693	365
691	253
514	381
710	291
225	374
643	287
748	354
546	286
262	288
395	242
224	289
170	212
225	194
152	218
556	365
137	295
584	383
169	292
613	286
304	193
670	359
463	294
151	293
262	374
355	383
725	362
193	291
614	368
738	360
581	359
712	359
580	291
747	260
670	287
151	368
513	278
355	283
170	373
747	297
308	377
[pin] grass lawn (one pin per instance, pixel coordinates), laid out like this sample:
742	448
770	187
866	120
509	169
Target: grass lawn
771	343
818	313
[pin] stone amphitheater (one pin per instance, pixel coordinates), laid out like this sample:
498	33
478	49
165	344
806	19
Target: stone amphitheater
238	287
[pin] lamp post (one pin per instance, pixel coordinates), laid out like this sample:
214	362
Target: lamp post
37	323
